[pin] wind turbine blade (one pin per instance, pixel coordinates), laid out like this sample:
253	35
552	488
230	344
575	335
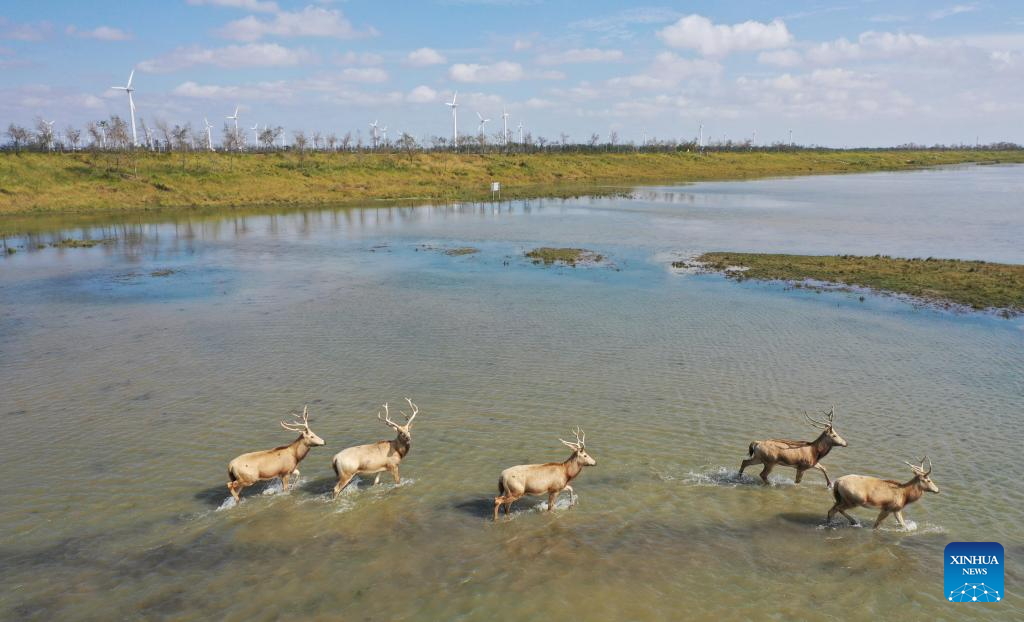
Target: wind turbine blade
130	76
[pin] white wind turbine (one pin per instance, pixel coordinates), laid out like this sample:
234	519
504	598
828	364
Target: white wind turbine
483	122
504	123
373	133
255	134
520	132
209	136
234	118
384	134
700	137
49	134
131	104
455	119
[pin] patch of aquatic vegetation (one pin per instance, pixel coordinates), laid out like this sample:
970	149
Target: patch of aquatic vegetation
548	255
73	243
461	250
953	284
162	272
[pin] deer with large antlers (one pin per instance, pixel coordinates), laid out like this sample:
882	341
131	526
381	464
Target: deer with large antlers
802	455
376	457
887	495
247	469
538	479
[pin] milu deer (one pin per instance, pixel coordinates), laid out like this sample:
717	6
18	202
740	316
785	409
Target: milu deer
538	479
887	495
247	469
376	457
802	455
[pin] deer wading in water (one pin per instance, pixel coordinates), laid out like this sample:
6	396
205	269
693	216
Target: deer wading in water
538	479
801	455
887	495
376	457
247	469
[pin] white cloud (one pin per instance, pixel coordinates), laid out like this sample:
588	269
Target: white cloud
278	91
229	57
309	22
366	74
780	58
422	95
100	33
667	71
259	6
699	33
424	57
358	58
950	11
584	55
522	44
616	26
536	103
870	45
502	71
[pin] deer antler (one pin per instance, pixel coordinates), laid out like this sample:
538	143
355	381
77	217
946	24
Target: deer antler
580	440
919	468
832	414
814	422
415	411
387	416
296	425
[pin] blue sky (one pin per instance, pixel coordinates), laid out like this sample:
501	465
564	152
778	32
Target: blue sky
838	73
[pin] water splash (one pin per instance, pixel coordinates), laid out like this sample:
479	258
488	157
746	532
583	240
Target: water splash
729	477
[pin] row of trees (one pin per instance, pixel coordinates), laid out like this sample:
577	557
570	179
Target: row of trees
114	135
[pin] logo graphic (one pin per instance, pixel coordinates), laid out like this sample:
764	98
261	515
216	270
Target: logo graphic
974	572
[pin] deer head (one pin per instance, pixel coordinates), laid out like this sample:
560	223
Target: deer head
827	427
578	448
404	431
923	476
302	427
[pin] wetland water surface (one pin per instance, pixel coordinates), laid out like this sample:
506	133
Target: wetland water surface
132	372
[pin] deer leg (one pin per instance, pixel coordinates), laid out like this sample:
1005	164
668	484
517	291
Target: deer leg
572	494
552	497
799	474
394	474
765	471
284	482
235	488
899	519
828	482
748	462
881	517
842	510
343	481
497	504
376	479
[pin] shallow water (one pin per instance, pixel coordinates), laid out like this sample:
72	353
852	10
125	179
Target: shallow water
125	394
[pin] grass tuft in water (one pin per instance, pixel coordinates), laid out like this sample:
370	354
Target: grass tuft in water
462	250
569	256
975	284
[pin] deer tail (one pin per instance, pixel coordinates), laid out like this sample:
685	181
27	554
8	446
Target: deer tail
501	487
231	475
835	493
750	450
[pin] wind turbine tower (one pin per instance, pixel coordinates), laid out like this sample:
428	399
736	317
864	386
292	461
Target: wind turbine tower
234	118
255	134
131	104
209	136
700	137
520	132
504	122
790	137
483	122
373	133
455	119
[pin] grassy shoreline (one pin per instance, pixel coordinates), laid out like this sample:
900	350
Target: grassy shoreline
979	285
39	183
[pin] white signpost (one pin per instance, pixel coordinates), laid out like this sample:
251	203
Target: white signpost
495	189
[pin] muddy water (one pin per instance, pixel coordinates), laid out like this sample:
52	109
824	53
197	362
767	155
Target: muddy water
132	372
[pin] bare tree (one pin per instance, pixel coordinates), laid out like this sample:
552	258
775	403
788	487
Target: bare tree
594	139
317	140
74	136
346	140
267	136
229	138
165	132
300	143
613	138
44	133
563	138
118	134
332	141
19	136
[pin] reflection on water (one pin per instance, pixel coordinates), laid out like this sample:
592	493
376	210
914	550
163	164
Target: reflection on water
133	371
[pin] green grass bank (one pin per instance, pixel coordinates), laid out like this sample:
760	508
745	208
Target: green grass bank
85	182
976	284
